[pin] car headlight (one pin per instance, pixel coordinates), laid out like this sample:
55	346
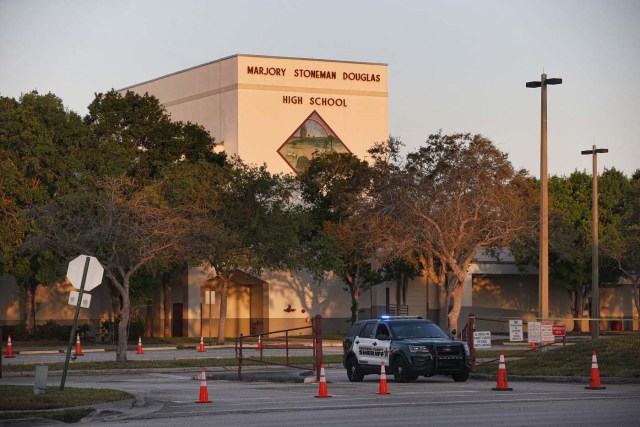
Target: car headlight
419	349
466	349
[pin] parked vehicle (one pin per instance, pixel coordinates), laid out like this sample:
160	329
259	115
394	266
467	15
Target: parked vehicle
409	346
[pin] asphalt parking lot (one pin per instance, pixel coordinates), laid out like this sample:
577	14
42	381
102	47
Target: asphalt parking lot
168	398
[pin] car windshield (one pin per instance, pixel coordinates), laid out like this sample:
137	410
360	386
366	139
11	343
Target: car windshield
404	330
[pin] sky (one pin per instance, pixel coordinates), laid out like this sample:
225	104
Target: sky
455	66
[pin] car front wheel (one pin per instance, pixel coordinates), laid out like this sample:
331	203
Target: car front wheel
354	372
400	372
461	377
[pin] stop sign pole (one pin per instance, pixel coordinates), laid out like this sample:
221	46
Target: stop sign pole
75	323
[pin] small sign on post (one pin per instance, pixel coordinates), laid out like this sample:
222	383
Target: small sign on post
559	330
209	299
515	330
85	273
482	339
546	331
92	276
534	333
73	299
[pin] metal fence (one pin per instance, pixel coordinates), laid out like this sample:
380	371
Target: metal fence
470	328
316	338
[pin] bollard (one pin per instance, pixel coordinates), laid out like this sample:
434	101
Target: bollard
40	383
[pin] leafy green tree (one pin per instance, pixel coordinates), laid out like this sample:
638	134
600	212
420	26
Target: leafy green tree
621	228
123	219
453	196
332	186
260	227
132	135
570	237
402	271
248	221
124	227
40	143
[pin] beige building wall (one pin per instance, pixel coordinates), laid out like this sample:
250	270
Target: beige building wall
295	299
252	104
272	107
206	94
616	303
10	297
52	304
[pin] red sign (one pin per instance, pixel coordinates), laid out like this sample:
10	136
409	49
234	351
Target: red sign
559	330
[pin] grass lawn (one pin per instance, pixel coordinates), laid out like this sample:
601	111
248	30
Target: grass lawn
25	403
617	357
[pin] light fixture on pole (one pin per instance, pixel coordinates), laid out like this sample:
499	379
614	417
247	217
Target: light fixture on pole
595	279
543	280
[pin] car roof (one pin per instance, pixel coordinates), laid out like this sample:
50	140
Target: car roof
394	319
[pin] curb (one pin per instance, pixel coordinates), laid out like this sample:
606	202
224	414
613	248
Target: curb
149	348
36	352
558	379
274	377
223	371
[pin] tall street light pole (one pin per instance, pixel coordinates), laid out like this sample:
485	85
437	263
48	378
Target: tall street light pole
543	278
595	279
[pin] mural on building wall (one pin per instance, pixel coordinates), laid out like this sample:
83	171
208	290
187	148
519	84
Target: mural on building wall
312	137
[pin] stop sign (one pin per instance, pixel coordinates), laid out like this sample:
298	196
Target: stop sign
94	272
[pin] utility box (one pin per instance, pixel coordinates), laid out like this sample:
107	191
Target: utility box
40	385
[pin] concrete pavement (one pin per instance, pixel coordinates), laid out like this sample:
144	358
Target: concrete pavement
160	392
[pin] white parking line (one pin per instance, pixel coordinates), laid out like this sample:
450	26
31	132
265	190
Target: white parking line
176	377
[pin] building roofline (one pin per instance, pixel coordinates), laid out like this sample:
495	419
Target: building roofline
253	56
310	59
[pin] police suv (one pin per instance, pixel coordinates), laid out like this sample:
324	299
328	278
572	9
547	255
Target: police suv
408	346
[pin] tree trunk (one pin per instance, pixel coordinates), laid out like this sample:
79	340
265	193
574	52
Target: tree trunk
116	302
405	286
456	294
30	307
148	330
576	311
443	303
355	302
123	330
166	304
224	292
398	289
636	296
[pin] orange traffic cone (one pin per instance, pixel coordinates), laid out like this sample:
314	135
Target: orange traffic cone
139	346
204	393
502	384
78	346
201	350
383	380
322	392
9	354
259	343
594	382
